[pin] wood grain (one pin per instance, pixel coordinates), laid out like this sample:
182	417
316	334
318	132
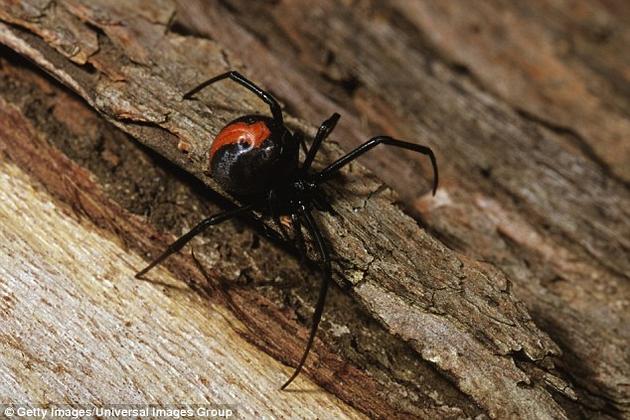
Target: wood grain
531	184
77	327
522	300
118	183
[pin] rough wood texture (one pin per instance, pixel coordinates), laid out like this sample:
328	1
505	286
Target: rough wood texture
89	333
534	192
129	175
532	187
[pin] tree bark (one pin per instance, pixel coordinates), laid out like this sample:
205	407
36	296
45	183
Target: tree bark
511	300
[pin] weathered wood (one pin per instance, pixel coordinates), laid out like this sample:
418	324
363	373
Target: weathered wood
75	326
377	373
534	182
564	66
517	194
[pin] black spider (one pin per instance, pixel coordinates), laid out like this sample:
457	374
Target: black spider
256	159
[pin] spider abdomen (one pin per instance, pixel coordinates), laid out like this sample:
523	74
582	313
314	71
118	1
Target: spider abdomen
251	154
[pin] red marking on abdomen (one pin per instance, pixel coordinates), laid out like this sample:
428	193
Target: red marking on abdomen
255	133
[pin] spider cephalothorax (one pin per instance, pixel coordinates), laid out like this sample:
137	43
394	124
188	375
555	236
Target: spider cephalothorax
256	158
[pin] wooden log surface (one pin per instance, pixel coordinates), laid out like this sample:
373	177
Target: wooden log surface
77	327
532	188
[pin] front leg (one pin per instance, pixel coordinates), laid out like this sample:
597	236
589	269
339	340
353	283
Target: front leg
370	144
203	225
237	77
324	131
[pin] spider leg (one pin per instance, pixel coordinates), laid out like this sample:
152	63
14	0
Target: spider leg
245	82
266	231
324	130
388	141
299	236
184	239
321	300
272	200
300	139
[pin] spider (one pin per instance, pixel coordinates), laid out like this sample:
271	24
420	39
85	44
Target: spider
256	159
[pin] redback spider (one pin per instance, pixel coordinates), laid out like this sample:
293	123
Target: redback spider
256	159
